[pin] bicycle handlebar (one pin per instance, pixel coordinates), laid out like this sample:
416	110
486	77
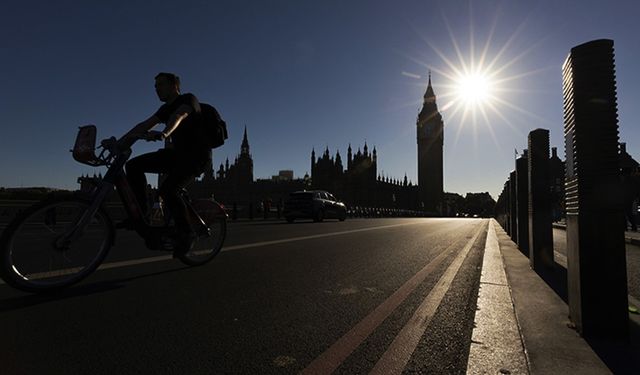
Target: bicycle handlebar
115	145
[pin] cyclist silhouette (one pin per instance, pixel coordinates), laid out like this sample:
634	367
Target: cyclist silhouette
185	154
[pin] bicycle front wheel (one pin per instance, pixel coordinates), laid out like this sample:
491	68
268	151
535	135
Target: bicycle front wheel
37	252
207	245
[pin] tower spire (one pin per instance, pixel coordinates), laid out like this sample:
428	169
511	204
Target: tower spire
244	148
429	95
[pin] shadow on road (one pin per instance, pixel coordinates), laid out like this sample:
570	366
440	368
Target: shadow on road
85	289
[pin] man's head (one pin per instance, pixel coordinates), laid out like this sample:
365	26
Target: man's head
167	86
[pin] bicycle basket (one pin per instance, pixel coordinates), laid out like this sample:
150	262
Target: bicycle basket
84	148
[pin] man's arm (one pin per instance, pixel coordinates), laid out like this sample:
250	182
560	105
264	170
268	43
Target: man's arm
142	127
176	118
172	124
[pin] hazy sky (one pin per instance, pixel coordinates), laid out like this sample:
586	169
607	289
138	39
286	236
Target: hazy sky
302	74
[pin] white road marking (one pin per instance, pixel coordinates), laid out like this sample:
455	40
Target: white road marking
336	354
314	236
162	258
396	357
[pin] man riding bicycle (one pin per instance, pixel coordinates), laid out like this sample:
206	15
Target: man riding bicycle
184	157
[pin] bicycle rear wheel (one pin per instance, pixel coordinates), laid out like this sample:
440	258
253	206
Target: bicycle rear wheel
35	254
208	244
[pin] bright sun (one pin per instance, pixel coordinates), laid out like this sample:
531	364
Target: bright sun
473	89
479	85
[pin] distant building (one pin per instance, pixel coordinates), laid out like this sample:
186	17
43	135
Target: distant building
88	183
359	184
234	184
480	204
285	175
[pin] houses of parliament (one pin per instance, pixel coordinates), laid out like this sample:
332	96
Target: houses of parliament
355	181
361	185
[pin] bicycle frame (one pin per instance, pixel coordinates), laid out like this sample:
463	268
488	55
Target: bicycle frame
115	177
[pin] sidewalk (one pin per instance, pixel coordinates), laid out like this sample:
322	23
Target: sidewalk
629	236
549	343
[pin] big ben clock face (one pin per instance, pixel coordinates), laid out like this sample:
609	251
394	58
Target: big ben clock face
425	131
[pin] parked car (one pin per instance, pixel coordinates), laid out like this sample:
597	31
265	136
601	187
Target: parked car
313	204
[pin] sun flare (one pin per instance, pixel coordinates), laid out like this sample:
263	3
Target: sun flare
473	89
479	87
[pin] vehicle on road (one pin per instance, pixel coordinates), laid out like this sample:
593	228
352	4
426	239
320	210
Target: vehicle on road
62	240
313	204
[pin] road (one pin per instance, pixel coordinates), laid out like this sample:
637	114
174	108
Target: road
280	298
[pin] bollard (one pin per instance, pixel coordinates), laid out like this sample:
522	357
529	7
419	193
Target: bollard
513	207
522	193
540	228
507	204
597	278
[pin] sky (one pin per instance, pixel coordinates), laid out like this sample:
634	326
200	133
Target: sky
302	75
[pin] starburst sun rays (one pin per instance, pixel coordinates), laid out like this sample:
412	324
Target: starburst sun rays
477	88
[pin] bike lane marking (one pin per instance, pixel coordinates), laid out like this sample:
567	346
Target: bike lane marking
336	354
133	262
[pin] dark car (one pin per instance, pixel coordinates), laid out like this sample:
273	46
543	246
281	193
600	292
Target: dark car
313	204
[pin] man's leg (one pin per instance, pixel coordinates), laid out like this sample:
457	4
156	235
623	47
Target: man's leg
153	162
169	193
182	172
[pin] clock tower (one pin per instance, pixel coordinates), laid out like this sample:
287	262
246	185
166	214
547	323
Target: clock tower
430	131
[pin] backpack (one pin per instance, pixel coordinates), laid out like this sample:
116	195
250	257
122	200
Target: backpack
214	127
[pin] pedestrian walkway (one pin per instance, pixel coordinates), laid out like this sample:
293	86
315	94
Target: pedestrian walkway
632	237
551	345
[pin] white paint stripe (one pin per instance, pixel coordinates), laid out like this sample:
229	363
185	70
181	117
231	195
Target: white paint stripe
161	258
134	262
396	357
314	236
335	355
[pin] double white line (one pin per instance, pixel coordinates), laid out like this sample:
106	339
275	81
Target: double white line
396	357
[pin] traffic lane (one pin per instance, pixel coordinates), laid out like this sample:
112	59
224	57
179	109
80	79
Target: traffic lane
632	256
129	248
129	245
279	359
444	345
257	310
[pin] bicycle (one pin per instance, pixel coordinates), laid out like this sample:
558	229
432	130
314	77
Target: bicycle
62	240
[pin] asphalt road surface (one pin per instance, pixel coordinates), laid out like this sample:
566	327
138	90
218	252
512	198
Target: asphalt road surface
306	297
